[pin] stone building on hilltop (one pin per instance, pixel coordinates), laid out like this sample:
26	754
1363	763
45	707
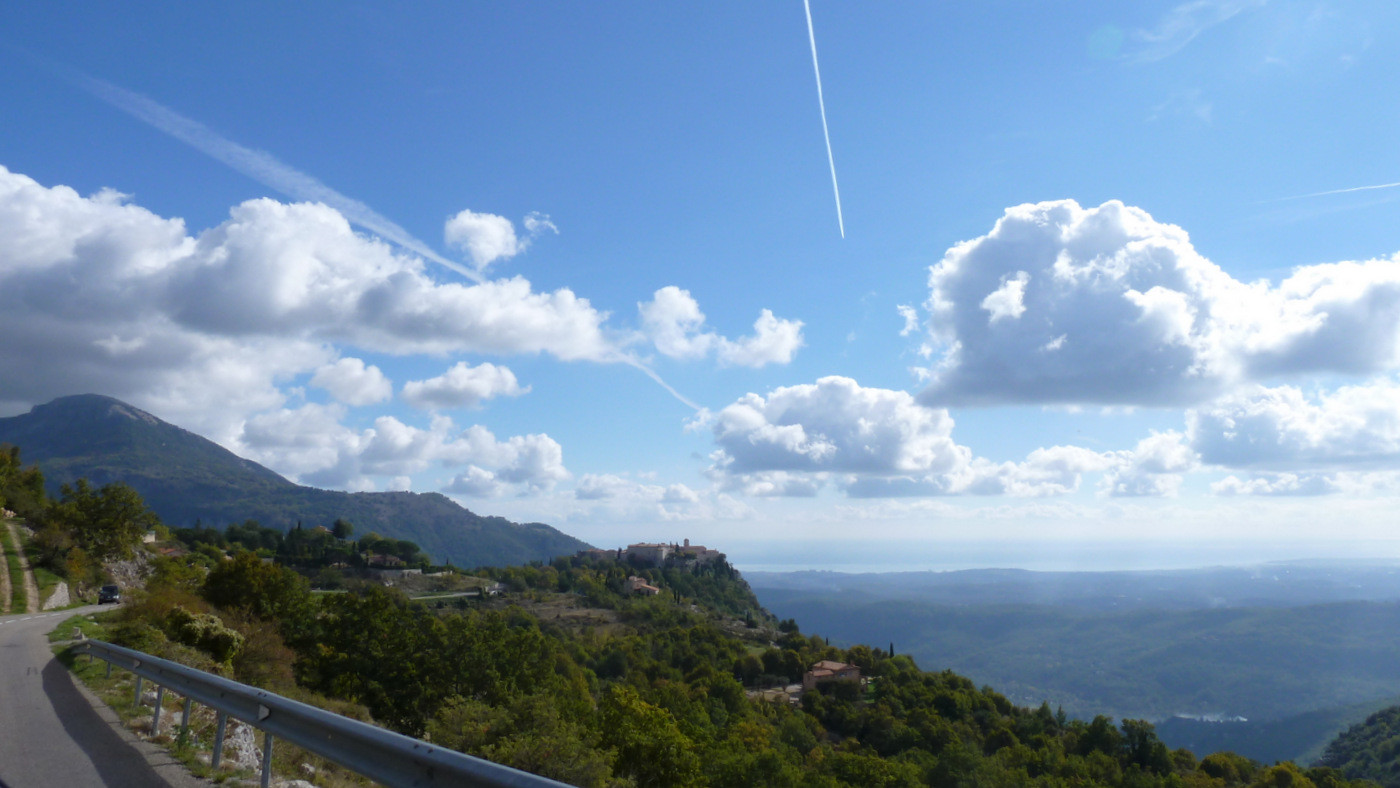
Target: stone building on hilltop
829	670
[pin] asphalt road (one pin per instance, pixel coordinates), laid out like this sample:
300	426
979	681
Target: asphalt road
51	735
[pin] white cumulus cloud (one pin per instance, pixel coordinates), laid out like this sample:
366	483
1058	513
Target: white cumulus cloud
879	443
1281	428
100	295
673	322
1105	305
910	315
310	444
463	386
835	425
611	487
1007	300
1154	467
486	237
1280	484
774	341
353	382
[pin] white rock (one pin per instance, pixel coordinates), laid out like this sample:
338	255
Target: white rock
59	597
241	747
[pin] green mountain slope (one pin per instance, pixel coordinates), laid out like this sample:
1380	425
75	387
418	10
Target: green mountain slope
1301	738
1295	675
1369	750
1257	663
185	478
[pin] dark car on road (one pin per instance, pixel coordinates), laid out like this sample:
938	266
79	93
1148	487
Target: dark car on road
109	594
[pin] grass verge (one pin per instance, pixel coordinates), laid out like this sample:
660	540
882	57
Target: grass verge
118	691
19	600
46	580
93	625
194	749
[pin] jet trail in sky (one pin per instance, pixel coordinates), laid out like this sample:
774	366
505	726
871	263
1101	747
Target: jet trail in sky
1341	191
812	37
261	167
627	359
267	170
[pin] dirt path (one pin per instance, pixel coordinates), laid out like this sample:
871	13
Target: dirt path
31	589
4	576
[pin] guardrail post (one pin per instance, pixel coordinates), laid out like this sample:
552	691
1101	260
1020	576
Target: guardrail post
185	722
380	755
267	759
219	741
160	703
109	666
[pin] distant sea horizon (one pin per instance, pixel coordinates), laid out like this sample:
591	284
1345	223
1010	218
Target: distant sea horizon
931	556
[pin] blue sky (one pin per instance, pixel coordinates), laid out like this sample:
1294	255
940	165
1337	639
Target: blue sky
1112	275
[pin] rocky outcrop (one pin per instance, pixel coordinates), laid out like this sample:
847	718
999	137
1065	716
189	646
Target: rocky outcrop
59	597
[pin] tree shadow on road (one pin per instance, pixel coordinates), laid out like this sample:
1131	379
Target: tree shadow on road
114	757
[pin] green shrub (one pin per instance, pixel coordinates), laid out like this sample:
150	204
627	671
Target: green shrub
203	631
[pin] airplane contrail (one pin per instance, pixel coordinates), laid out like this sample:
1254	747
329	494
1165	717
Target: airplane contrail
269	171
812	37
651	373
1340	191
261	167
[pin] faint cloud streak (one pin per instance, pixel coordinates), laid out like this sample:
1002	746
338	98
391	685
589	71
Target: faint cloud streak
1183	23
260	166
1339	191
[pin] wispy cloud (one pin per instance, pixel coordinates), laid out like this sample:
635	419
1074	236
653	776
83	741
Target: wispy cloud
1184	103
821	102
1183	23
1348	190
260	166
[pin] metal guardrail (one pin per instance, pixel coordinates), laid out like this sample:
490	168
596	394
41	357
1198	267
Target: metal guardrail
381	755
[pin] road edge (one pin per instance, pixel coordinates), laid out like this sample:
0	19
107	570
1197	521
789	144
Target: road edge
162	762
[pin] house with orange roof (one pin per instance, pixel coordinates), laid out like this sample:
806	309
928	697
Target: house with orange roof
829	670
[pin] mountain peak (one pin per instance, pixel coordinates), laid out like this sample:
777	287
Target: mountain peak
93	405
185	479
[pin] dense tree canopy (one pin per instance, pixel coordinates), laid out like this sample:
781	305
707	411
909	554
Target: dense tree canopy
21	488
106	523
1369	749
266	590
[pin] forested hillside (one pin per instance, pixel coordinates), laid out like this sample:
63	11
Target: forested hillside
570	674
1276	681
1369	750
1251	662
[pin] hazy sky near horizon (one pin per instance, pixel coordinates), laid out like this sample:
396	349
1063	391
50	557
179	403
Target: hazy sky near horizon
1111	273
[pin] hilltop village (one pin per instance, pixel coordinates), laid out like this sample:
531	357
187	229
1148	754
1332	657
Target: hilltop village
656	553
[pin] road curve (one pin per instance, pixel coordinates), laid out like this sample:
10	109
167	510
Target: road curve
51	736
